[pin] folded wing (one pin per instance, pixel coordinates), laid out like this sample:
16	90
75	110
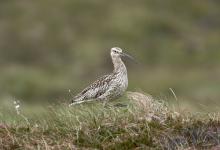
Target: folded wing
95	90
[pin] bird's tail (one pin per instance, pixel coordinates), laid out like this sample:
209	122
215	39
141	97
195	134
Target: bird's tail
76	100
79	100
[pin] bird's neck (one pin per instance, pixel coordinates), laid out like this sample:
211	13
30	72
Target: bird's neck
119	65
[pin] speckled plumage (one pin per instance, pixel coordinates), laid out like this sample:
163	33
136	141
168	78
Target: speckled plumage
108	87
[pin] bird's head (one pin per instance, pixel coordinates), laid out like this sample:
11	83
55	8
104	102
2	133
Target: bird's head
117	52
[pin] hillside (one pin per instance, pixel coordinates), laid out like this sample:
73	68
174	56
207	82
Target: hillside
47	48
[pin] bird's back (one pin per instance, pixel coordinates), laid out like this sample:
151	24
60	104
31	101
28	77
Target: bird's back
94	90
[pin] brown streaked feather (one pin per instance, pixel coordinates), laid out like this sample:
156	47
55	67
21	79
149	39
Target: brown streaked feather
97	88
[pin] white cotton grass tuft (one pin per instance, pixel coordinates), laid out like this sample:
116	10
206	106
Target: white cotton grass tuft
17	107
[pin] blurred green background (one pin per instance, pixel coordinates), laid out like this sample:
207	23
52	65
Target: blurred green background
48	47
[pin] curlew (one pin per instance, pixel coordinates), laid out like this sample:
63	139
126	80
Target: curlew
110	86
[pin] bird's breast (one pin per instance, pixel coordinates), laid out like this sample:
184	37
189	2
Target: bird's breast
121	81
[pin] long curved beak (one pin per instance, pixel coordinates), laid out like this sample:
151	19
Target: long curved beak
128	56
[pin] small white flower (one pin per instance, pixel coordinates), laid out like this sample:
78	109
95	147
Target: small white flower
17	106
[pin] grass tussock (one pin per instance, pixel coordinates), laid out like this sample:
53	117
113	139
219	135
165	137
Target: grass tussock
144	123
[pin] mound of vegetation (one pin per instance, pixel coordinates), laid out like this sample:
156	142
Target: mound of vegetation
144	123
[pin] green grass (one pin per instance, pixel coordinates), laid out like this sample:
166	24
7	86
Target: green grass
145	123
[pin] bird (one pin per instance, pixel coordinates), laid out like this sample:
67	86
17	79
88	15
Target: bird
107	87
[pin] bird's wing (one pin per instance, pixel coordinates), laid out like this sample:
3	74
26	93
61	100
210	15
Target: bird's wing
95	90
